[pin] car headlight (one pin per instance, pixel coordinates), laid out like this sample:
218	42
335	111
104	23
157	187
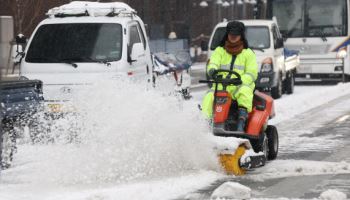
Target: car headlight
266	65
341	53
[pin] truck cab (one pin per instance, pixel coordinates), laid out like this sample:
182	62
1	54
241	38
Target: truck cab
275	73
82	42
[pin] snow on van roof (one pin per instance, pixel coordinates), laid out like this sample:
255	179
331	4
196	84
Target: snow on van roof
95	9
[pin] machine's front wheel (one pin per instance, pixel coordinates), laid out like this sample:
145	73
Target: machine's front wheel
231	162
272	137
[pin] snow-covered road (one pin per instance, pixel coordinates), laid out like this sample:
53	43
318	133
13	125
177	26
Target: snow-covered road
142	144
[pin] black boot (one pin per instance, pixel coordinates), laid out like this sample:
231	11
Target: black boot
242	118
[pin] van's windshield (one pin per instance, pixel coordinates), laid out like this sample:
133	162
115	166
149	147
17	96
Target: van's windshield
258	37
75	42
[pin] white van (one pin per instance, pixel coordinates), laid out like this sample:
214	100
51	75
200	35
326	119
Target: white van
276	74
81	41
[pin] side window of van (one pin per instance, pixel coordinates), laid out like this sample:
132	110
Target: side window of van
277	37
134	36
142	35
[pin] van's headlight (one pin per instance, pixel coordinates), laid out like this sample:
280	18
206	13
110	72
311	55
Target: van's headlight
266	65
341	53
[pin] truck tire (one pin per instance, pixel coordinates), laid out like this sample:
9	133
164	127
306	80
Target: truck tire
276	92
290	83
272	137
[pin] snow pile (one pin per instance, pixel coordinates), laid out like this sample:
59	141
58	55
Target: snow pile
287	168
124	131
332	195
231	190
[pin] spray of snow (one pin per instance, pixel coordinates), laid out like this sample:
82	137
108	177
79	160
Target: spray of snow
124	131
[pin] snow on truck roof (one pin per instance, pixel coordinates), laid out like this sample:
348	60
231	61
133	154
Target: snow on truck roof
253	22
93	9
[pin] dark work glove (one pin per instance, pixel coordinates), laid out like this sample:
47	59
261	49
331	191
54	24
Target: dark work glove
211	73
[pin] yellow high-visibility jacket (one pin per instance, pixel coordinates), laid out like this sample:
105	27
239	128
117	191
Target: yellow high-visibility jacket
245	64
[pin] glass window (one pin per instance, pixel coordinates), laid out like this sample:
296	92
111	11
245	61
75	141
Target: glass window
326	18
142	35
55	43
217	38
311	18
134	36
258	37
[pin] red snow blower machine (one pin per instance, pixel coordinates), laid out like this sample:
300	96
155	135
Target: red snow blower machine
263	138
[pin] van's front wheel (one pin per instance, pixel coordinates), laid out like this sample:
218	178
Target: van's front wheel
289	86
277	91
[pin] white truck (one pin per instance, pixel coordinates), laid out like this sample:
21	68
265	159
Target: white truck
276	71
81	41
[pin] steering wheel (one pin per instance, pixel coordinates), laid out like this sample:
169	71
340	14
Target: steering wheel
225	81
230	72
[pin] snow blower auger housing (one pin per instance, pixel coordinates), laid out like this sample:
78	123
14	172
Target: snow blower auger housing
259	136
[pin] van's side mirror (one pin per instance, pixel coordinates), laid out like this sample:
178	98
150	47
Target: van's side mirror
21	42
278	43
21	39
137	51
204	45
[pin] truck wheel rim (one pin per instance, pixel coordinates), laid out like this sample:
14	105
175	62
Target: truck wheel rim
275	144
265	147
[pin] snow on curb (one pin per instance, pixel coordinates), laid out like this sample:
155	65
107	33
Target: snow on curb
332	195
231	190
292	105
287	168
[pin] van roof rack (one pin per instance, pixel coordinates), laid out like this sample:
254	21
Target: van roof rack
93	9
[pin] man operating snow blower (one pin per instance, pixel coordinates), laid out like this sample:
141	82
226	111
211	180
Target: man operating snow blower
233	54
239	115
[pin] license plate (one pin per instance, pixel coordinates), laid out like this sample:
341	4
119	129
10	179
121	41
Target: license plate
55	108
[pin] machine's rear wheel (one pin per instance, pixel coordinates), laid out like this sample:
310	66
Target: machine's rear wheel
272	136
